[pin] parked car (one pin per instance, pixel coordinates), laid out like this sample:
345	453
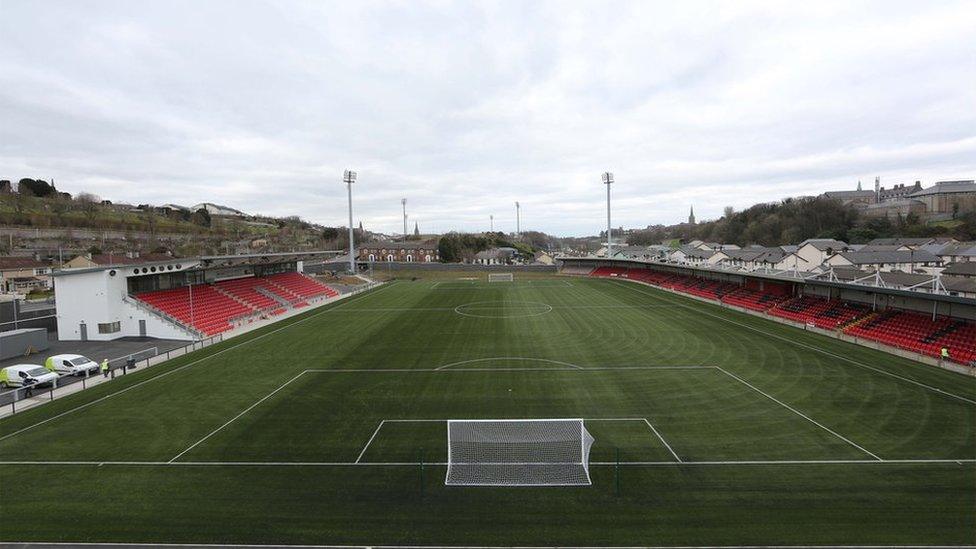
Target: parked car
71	365
20	375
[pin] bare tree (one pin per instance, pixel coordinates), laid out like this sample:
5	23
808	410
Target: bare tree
88	204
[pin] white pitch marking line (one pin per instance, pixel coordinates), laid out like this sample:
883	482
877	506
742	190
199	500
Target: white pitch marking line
28	545
527	359
664	442
799	413
370	441
644	419
197	361
382	546
804	345
414	464
233	419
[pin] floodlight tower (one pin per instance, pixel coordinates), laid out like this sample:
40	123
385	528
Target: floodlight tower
403	202
608	180
349	177
518	221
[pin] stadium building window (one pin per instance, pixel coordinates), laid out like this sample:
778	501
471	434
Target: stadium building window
109	327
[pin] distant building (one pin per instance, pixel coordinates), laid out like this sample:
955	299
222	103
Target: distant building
691	216
948	197
908	261
815	251
217	209
898	192
856	198
419	251
495	256
22	274
893	209
543	258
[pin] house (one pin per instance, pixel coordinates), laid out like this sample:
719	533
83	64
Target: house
699	257
633	252
954	252
544	258
908	261
965	269
715	246
20	275
495	256
815	251
421	251
913	243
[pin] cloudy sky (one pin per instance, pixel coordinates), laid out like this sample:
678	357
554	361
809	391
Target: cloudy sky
466	107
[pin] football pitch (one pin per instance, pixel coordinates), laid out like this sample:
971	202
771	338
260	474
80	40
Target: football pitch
712	427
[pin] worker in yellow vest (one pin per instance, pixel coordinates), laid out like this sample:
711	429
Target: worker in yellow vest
945	354
104	367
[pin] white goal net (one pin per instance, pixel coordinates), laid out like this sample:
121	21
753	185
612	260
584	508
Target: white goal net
501	277
518	452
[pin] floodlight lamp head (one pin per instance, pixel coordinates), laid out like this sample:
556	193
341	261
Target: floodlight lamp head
607	178
349	176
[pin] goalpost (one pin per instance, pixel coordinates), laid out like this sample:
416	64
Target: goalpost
518	452
501	277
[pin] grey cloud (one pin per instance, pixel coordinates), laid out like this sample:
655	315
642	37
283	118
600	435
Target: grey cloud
466	107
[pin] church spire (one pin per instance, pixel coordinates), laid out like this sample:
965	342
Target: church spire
691	216
416	229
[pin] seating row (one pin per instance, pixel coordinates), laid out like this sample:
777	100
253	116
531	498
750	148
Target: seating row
906	330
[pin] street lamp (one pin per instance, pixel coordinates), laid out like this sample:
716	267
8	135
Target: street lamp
518	221
608	180
403	202
349	177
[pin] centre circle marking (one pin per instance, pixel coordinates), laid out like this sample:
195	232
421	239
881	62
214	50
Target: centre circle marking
495	309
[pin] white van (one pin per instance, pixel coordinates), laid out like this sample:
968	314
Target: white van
71	365
19	375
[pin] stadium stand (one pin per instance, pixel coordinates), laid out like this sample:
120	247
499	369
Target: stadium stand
754	300
246	289
919	333
584	271
217	306
906	330
298	288
211	311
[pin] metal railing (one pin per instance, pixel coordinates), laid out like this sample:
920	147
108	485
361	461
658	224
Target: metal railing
13	400
143	306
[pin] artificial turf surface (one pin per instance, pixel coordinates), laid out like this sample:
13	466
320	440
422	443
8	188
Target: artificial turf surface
274	420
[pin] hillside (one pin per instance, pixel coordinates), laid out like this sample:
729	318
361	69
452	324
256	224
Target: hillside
796	219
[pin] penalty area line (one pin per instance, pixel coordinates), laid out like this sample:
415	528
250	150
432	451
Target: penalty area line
799	413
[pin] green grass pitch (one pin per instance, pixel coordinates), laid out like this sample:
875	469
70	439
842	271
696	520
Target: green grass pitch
730	430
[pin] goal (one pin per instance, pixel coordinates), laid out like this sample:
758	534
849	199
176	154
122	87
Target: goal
501	277
518	452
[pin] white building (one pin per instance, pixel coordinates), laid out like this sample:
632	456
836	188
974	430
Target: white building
815	251
94	304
